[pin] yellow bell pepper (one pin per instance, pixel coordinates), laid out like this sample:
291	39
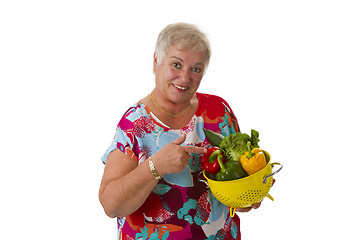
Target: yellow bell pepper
253	160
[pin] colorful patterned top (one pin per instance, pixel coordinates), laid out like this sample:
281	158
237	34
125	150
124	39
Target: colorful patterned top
180	206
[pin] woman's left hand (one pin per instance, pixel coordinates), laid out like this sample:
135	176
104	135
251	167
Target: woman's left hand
247	209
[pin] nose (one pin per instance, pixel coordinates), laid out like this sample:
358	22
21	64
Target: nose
185	75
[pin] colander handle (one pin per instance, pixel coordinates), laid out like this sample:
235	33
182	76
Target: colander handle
270	175
201	180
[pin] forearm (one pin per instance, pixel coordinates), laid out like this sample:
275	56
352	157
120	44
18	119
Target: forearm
126	186
124	195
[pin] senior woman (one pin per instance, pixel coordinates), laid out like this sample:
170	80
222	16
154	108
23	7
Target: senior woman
150	178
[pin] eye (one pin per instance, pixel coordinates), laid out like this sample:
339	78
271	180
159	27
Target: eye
197	70
176	65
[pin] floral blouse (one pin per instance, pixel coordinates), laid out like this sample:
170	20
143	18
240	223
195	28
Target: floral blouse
180	206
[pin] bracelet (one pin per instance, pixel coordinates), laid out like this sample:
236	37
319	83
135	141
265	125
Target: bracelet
153	170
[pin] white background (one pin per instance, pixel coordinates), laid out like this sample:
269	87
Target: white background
69	70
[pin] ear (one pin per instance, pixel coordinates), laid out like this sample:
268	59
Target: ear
154	63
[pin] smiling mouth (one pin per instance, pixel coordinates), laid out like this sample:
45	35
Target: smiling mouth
180	87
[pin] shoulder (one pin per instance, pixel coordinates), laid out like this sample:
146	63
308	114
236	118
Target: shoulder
205	96
212	101
217	114
135	112
209	98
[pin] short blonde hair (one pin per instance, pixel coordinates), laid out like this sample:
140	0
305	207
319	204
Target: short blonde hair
187	36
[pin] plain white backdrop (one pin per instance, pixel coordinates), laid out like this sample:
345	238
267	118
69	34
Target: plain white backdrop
69	70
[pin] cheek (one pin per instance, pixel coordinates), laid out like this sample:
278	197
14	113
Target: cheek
168	74
196	80
163	76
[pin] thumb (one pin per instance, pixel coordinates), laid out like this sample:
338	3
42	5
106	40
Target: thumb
180	140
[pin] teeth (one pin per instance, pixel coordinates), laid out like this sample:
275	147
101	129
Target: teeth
181	88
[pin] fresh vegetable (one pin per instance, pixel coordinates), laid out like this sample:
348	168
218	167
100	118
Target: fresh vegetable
209	160
253	160
235	145
231	170
213	137
233	148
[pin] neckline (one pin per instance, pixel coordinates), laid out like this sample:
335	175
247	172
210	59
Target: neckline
158	122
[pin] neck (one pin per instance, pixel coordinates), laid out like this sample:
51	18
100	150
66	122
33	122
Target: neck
171	110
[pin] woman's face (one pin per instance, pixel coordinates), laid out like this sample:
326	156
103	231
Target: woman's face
179	75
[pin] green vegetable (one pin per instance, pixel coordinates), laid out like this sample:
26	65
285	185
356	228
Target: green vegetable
231	170
235	145
213	137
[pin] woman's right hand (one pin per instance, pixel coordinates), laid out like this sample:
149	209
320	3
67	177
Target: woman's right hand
174	157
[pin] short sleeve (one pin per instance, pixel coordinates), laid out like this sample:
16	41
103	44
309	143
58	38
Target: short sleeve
120	141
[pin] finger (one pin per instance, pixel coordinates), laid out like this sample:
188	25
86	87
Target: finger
247	209
180	140
256	205
193	149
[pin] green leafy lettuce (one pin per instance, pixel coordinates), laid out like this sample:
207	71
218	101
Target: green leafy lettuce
234	145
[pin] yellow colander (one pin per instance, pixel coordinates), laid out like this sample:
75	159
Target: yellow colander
246	191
